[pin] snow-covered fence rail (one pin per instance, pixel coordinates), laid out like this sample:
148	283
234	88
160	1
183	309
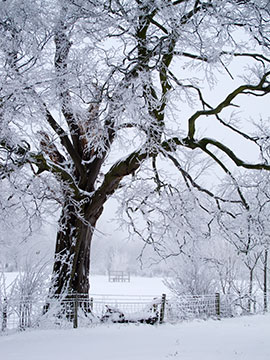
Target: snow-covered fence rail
199	306
131	308
20	314
76	311
127	304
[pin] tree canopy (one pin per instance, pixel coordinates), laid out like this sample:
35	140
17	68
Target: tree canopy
96	95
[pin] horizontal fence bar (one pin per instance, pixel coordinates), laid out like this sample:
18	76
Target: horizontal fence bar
81	310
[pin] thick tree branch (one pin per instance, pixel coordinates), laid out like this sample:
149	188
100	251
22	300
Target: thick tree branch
46	165
24	156
64	139
263	87
202	144
62	48
255	56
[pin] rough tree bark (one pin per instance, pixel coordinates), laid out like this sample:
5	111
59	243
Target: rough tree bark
76	228
72	253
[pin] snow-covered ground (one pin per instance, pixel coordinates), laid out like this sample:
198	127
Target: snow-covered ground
137	286
100	285
245	338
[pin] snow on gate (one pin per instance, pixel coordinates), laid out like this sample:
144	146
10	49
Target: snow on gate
77	311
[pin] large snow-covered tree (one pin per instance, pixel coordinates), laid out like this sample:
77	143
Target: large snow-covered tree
98	95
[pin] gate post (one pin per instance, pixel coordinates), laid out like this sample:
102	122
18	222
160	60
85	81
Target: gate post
4	313
75	319
217	304
91	303
162	308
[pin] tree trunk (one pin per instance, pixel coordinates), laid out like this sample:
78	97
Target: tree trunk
72	253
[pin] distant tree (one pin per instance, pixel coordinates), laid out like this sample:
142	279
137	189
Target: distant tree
82	81
247	229
192	275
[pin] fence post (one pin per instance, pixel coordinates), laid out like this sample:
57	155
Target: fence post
4	313
217	303
75	319
162	308
91	303
22	314
254	305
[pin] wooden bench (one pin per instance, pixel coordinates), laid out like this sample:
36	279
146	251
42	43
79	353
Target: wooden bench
119	276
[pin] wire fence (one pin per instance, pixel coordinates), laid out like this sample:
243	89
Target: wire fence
79	310
198	306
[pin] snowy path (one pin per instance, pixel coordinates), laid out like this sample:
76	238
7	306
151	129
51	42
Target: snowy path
245	338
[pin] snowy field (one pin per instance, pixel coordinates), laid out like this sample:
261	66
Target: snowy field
100	285
245	338
137	286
